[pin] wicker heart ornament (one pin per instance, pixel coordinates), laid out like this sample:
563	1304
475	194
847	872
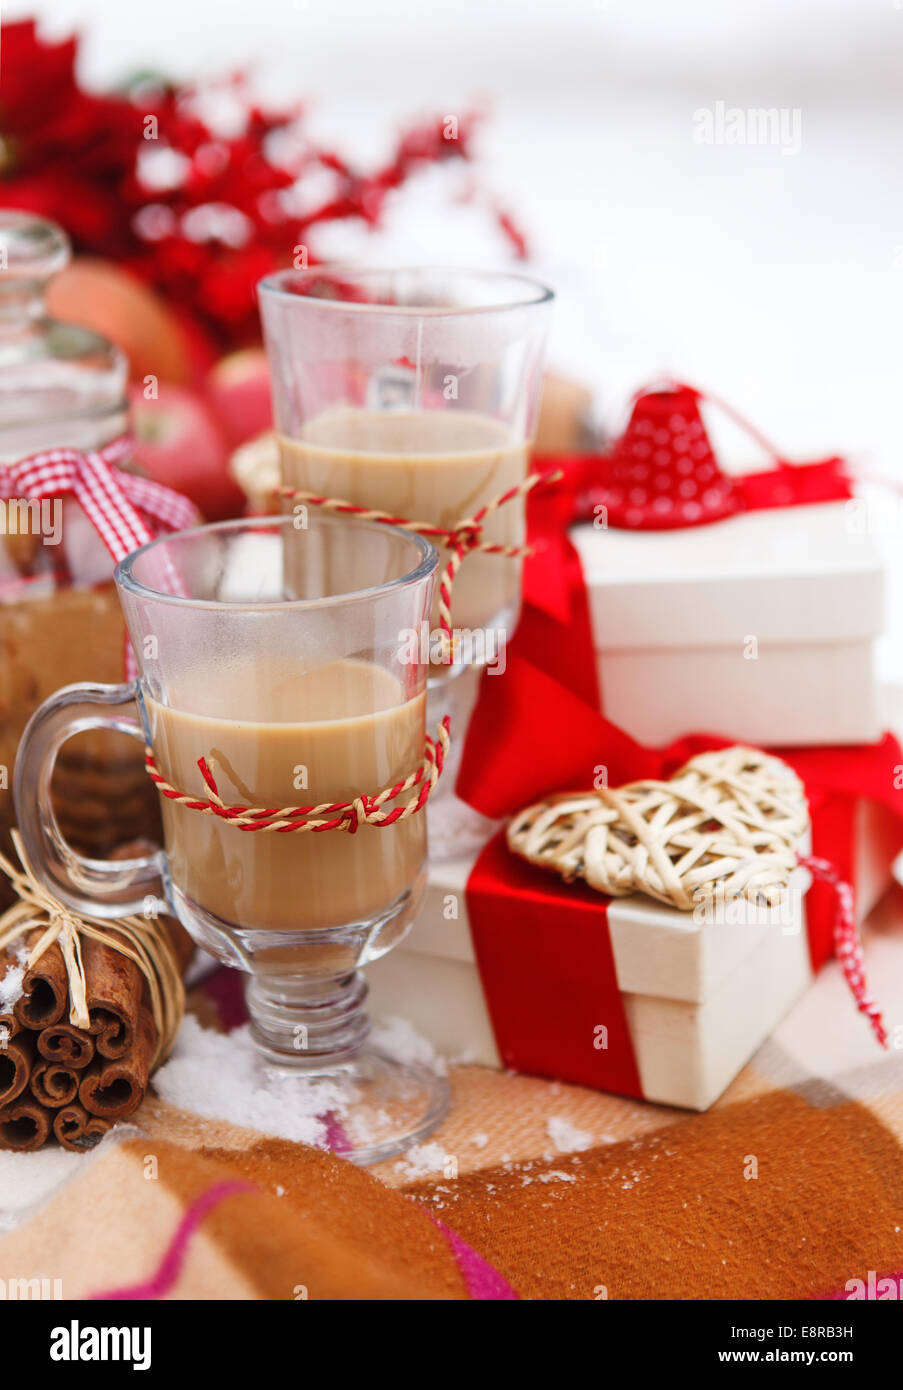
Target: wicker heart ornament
726	825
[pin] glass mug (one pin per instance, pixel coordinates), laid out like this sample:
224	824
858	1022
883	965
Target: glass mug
295	696
416	392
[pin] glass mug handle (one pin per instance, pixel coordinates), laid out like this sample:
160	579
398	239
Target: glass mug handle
104	888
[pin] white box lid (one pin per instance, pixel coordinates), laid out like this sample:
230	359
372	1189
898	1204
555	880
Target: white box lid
802	574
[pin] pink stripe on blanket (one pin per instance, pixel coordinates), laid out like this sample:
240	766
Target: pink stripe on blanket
170	1267
482	1280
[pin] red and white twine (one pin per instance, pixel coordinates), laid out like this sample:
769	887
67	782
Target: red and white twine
464	538
847	946
329	815
461	540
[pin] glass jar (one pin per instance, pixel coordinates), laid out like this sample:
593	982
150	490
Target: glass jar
60	385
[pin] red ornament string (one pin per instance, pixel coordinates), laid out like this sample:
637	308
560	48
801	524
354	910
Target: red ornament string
847	946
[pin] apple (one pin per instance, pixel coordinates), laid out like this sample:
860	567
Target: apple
238	389
178	442
155	338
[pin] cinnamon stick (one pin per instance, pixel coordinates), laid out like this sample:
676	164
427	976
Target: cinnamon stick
9	1024
76	1130
24	1125
9	1027
53	1084
114	1088
16	1061
115	985
114	988
64	1043
45	995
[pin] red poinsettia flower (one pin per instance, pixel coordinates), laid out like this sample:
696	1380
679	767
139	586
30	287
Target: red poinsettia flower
198	215
63	152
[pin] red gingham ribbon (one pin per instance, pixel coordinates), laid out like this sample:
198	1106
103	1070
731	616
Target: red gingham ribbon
847	946
125	511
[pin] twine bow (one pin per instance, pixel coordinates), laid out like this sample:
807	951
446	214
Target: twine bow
464	538
134	937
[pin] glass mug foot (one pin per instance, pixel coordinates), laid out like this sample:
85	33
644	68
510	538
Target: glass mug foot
370	1107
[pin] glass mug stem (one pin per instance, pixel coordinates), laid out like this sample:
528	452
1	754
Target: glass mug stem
317	1024
104	888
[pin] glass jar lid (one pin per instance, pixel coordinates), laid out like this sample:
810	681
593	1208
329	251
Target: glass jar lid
60	383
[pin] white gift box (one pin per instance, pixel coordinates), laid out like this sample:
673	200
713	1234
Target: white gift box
699	996
761	627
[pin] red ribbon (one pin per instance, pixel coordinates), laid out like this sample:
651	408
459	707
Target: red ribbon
543	947
124	510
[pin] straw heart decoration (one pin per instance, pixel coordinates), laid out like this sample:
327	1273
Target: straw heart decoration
725	826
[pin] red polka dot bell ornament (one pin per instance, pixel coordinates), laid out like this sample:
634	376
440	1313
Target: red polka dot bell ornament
662	472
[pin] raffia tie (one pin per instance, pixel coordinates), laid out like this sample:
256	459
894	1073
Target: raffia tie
137	939
725	826
462	539
329	815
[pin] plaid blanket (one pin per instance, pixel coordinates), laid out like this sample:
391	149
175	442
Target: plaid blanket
790	1187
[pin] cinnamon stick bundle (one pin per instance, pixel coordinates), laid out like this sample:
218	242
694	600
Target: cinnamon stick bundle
73	1081
76	1130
